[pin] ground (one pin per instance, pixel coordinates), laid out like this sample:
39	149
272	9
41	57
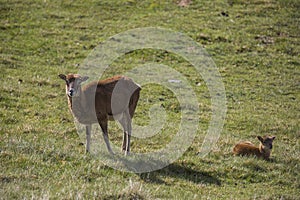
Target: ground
255	46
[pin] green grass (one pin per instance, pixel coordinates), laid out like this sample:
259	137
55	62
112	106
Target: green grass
256	48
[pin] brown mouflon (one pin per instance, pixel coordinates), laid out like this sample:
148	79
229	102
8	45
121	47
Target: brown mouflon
114	98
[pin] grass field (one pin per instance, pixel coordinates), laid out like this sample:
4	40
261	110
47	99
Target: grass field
255	45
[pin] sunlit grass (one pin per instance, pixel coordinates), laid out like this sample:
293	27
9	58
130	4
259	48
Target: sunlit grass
255	46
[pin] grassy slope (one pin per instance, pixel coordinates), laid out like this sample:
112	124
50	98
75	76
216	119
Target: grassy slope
256	49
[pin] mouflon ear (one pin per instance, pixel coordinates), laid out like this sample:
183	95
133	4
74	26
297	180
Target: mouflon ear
63	77
260	138
84	78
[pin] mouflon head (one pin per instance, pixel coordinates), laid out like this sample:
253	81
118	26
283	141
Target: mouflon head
73	83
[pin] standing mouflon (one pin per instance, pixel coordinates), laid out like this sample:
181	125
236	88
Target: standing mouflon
99	101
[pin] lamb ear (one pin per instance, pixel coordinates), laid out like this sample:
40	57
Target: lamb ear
62	76
260	138
273	137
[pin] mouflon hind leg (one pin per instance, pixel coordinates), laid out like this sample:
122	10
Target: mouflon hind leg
88	137
125	121
128	132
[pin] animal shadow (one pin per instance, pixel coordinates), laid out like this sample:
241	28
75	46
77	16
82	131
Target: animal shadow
179	171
